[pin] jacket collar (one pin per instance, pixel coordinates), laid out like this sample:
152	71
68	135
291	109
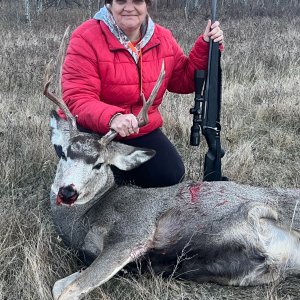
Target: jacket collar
115	45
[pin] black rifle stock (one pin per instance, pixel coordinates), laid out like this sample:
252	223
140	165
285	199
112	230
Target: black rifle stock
207	110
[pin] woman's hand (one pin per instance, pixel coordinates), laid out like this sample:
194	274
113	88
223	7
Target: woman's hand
124	125
213	32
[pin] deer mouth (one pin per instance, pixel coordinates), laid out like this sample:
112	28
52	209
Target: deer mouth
69	202
66	195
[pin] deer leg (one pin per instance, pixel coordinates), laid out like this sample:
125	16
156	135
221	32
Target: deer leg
279	245
61	284
114	257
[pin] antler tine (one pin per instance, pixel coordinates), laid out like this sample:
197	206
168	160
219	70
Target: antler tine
59	61
48	79
61	105
142	117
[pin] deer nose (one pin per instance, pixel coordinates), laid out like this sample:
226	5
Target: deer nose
67	194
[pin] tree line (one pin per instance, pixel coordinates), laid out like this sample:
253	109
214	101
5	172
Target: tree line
31	8
36	7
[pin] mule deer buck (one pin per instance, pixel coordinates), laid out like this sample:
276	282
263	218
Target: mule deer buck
225	232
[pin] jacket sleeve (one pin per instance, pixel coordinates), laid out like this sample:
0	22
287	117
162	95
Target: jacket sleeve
81	86
182	77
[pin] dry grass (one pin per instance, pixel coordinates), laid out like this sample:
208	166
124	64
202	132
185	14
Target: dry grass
261	127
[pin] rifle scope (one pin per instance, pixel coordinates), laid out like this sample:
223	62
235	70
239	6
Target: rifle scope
199	77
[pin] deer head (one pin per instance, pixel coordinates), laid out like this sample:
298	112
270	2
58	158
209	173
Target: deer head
83	171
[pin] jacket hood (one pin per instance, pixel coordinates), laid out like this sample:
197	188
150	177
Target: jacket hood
147	30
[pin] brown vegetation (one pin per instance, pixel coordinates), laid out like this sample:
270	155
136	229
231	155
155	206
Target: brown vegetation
261	128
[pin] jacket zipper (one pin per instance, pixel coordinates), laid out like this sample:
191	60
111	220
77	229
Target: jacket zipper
138	69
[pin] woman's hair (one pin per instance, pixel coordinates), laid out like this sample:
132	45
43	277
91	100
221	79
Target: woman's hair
148	2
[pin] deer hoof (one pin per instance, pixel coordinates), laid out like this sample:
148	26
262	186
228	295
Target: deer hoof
62	284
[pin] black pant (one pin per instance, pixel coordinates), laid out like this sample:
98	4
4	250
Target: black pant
164	169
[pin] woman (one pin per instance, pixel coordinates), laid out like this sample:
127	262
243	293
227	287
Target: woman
115	58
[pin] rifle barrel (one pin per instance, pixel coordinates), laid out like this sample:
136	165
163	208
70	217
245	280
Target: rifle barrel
213	11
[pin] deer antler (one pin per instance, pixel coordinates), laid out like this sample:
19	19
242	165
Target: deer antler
56	100
48	79
142	117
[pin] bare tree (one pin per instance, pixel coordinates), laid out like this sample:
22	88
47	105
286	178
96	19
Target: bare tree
39	5
27	11
155	5
90	7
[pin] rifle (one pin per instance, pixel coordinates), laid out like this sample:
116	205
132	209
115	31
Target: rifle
207	110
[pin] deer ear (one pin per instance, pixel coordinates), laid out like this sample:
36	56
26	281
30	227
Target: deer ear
127	157
60	132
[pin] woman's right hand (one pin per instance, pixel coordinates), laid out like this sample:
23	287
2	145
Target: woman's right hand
124	125
214	32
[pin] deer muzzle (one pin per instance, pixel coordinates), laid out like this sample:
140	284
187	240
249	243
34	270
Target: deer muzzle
66	195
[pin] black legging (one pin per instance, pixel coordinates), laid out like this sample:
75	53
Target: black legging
164	169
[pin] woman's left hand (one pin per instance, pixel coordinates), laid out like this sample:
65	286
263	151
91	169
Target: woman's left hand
213	32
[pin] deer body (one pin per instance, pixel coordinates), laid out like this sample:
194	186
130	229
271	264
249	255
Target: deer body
230	233
212	207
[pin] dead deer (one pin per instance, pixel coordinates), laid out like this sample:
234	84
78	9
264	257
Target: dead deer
225	232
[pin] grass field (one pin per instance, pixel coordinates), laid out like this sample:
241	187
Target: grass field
261	129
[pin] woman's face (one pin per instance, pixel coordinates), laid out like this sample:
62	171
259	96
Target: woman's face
129	14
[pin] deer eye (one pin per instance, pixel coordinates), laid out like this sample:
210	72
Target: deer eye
63	156
59	151
97	166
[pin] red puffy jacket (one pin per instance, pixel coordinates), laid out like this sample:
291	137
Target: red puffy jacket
100	78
